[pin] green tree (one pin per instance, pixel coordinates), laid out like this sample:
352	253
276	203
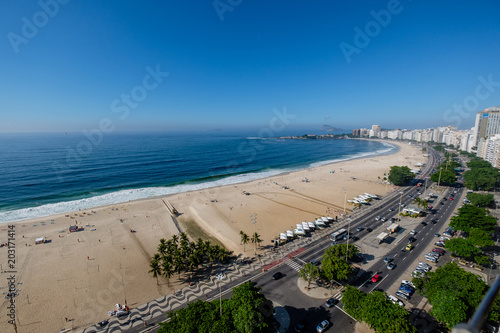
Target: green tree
481	200
464	291
448	308
448	177
256	240
335	268
353	300
167	269
340	250
480	238
334	265
462	248
308	273
481	176
400	175
477	163
377	311
247	311
244	239
470	217
154	264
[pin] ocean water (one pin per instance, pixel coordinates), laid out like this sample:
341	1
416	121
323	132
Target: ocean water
45	174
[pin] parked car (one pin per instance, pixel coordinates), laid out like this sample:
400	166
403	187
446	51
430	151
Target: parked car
408	283
408	286
404	292
395	300
438	251
322	326
331	302
401	295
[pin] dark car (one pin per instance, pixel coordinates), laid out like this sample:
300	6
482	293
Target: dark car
354	238
423	223
434	221
102	323
331	302
412	239
316	262
369	230
277	275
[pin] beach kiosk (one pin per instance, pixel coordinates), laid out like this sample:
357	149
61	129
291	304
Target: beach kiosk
382	237
39	240
393	227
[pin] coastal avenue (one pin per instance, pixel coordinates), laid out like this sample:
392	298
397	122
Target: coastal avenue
300	307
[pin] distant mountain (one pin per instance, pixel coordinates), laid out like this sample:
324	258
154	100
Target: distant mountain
329	128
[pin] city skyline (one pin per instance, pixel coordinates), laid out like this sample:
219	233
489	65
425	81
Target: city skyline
239	65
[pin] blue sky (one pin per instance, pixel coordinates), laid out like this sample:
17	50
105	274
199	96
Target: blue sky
73	71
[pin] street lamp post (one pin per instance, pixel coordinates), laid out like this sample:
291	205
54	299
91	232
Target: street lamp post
219	278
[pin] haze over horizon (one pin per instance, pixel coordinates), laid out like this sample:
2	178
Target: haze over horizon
70	67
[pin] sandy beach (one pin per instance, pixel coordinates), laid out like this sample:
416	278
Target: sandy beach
82	275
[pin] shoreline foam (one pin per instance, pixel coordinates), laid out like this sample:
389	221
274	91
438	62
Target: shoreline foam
130	195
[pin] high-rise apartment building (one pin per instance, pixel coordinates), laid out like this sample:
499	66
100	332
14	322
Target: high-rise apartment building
487	123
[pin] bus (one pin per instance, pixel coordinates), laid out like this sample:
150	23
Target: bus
337	235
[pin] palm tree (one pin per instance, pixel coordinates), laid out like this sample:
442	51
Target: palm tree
175	239
193	262
167	269
162	247
244	239
256	240
154	264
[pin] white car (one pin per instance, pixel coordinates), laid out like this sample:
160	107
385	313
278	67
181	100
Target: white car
322	326
413	232
408	282
395	300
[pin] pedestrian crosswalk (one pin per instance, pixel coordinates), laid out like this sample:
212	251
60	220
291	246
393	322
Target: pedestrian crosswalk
338	296
294	265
